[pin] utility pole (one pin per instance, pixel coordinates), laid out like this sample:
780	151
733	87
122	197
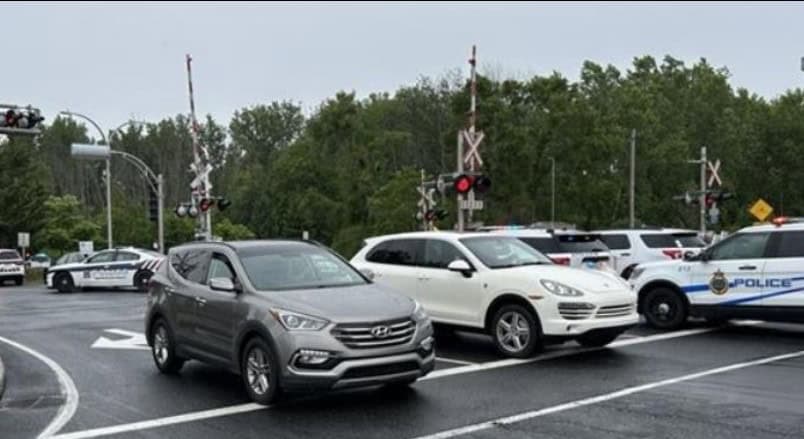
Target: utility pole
553	192
703	191
632	182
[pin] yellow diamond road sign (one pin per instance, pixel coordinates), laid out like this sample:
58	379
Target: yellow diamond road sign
761	209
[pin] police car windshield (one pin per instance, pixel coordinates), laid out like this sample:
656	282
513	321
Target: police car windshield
503	252
296	266
7	255
673	240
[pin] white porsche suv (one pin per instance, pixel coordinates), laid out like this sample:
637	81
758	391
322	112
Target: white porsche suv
501	286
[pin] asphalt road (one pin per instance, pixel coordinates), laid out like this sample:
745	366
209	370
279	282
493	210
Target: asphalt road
737	381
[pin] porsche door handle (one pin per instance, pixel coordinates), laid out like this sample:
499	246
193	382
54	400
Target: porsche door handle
201	301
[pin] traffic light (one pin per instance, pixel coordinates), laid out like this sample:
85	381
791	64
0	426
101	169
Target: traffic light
19	120
153	206
224	203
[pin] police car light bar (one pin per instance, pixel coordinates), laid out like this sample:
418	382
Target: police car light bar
781	220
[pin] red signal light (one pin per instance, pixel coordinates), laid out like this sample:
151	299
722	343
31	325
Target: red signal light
205	204
463	184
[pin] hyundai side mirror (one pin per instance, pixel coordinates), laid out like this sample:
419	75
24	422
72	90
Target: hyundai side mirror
461	266
690	255
222	284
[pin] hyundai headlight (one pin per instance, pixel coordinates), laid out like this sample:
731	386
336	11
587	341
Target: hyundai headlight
293	321
560	289
418	313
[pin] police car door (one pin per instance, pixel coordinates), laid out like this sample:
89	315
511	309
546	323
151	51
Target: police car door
784	271
95	268
730	272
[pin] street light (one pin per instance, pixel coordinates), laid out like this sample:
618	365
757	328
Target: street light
108	174
155	181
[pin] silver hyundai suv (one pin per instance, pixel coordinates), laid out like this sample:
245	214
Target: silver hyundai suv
285	315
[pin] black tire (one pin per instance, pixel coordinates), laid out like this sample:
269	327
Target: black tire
598	338
260	372
163	348
64	283
528	338
664	308
141	280
18	281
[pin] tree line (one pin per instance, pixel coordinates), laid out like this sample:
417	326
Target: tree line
349	170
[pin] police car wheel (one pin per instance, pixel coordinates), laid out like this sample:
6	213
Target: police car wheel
664	309
64	283
141	280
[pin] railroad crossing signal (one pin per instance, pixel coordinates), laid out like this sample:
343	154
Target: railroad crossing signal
713	173
472	157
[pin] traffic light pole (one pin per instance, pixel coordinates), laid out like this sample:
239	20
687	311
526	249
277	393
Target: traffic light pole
461	221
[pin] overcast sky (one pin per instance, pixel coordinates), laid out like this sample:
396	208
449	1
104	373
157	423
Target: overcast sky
115	62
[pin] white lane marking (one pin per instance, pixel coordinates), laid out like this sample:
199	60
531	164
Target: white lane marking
133	340
242	408
604	397
561	353
66	386
452	360
161	422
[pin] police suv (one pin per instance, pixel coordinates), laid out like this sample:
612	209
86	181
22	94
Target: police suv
124	267
755	273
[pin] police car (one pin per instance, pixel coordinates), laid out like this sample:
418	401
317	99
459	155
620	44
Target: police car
756	273
124	267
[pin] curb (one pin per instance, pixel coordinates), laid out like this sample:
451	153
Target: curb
2	378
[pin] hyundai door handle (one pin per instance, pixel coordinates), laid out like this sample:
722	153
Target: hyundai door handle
748	267
625	254
201	301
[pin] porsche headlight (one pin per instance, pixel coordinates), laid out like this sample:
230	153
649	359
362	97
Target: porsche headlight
293	321
560	289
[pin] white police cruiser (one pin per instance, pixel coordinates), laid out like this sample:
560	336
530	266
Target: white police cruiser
123	267
756	273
